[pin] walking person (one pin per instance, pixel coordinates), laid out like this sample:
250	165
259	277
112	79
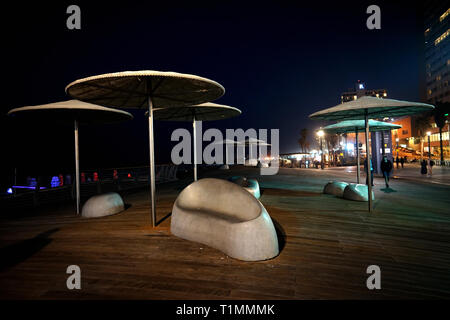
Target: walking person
423	167
397	160
386	168
430	167
402	161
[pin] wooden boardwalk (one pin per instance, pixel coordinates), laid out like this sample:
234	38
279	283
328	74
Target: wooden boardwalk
327	244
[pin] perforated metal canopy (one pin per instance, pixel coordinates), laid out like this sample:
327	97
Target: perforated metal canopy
373	106
353	125
203	112
67	111
131	89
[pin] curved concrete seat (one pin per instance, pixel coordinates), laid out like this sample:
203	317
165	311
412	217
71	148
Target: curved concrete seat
251	185
357	192
103	205
220	214
335	188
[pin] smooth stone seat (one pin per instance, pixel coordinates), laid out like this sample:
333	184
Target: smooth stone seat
103	205
357	192
335	188
251	185
220	214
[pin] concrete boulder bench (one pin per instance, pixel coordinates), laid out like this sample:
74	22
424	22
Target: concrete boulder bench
357	192
251	185
103	205
335	188
222	215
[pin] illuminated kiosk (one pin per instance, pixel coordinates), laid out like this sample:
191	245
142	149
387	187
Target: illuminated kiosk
146	90
222	215
72	112
368	108
202	112
251	185
356	126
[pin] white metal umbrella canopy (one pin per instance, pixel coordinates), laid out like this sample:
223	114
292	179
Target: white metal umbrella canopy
350	126
370	108
147	90
202	112
72	112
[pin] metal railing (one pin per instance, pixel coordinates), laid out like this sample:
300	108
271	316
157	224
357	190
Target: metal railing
91	182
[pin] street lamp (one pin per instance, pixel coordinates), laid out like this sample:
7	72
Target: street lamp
320	134
429	148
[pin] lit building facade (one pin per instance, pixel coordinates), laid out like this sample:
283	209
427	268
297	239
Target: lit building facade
361	91
437	50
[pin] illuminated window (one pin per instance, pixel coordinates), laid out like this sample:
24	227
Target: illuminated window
446	13
442	37
438	78
355	97
426	31
430	92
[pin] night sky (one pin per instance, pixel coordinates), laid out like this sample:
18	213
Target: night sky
279	61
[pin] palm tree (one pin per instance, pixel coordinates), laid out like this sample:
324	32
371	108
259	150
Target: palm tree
441	109
303	141
422	124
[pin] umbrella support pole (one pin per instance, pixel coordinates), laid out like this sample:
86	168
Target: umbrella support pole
152	160
368	171
77	168
358	175
194	130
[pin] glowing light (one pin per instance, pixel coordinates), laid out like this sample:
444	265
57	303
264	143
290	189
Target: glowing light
428	133
27	187
9	191
355	97
350	146
320	133
55	182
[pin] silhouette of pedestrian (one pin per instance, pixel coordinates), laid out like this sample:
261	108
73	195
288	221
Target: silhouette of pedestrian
402	161
430	166
423	167
386	167
397	160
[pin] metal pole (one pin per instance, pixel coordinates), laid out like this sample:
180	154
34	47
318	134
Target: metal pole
321	155
369	180
77	167
358	175
152	161
429	149
226	154
194	129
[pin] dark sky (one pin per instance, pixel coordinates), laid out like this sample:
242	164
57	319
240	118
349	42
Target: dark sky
279	61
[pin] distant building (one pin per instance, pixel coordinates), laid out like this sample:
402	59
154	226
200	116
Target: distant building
437	50
381	142
360	91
